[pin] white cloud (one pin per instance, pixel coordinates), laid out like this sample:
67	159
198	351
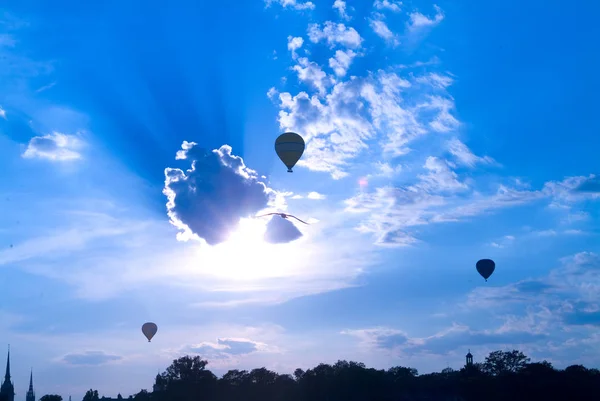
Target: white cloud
435	80
307	5
440	177
382	30
55	147
357	112
196	203
503	242
419	21
340	6
569	293
444	121
311	73
341	61
2	113
386	169
392	211
294	43
392	5
90	358
315	196
464	155
334	34
456	336
272	93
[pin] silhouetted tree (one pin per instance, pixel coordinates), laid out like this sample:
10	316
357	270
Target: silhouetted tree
51	397
91	395
503	376
143	395
501	362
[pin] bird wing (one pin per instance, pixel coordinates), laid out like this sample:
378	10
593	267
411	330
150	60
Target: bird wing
268	214
289	215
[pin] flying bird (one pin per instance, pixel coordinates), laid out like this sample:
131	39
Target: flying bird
283	215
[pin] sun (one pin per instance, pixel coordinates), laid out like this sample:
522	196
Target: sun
245	256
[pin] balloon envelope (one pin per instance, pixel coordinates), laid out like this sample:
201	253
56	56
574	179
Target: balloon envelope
485	267
149	329
289	147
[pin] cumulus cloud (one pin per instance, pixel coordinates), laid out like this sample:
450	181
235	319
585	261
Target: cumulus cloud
55	147
355	114
294	43
341	61
419	21
90	358
315	196
334	34
272	93
340	6
280	230
208	200
311	73
2	113
294	4
392	5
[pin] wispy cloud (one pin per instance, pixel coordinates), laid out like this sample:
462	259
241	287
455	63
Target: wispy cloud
90	358
464	155
381	29
503	242
55	147
454	337
396	209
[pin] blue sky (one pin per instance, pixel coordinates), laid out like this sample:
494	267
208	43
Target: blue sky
437	134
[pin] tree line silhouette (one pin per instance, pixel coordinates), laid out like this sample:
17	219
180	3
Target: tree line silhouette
504	375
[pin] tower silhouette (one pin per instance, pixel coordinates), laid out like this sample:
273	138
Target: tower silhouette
30	393
469	358
7	389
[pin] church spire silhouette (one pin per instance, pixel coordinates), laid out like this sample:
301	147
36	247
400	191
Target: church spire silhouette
7	389
30	393
7	374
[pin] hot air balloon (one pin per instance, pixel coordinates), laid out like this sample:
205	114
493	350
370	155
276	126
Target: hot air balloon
149	329
485	267
289	147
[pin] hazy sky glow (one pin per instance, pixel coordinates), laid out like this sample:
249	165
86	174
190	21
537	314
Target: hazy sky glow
136	144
